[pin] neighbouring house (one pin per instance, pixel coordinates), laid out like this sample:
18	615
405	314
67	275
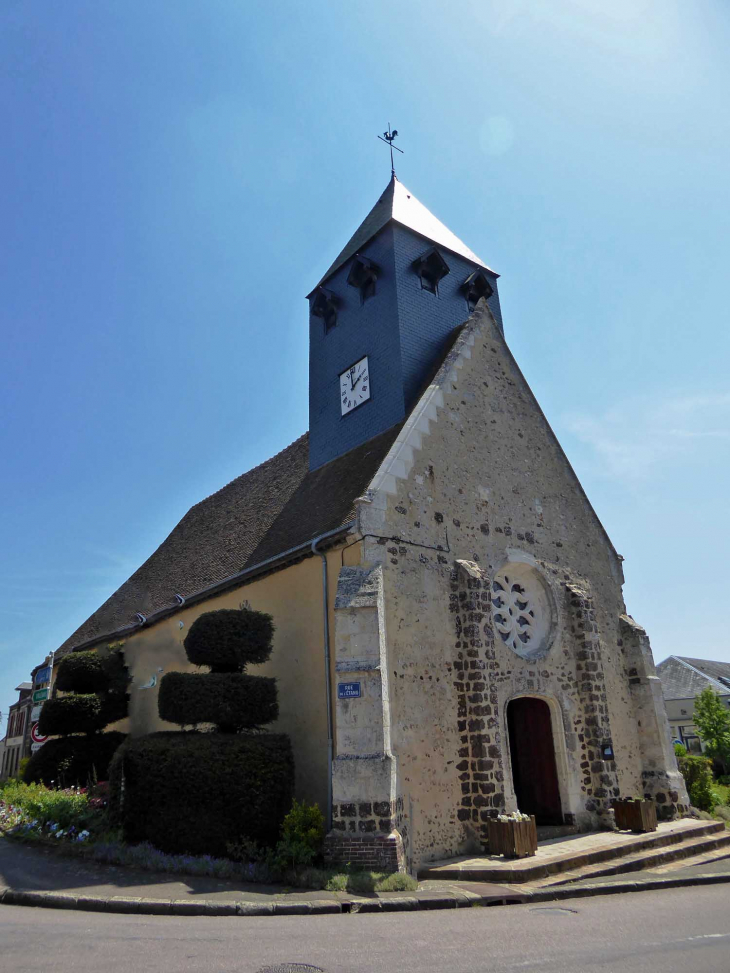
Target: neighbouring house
682	680
17	731
451	634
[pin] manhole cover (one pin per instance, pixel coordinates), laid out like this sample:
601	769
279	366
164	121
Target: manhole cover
291	968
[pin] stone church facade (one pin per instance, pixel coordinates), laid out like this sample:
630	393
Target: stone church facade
452	638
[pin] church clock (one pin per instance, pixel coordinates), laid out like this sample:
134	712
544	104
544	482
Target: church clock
354	386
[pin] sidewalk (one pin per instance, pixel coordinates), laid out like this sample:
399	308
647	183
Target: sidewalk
40	877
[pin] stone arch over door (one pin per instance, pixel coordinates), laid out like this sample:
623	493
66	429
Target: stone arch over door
536	756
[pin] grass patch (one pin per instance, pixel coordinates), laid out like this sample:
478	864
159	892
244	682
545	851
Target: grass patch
357	882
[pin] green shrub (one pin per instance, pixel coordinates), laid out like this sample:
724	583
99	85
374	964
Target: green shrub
82	672
196	793
45	806
230	639
302	835
231	700
75	713
73	761
697	773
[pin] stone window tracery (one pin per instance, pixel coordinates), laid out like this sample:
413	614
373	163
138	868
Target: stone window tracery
521	610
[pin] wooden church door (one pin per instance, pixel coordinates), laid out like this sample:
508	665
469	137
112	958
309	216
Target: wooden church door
532	752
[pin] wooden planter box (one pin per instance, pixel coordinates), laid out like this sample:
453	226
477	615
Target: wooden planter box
635	815
513	839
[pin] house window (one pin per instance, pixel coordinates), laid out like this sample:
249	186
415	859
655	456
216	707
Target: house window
431	268
324	306
363	275
475	287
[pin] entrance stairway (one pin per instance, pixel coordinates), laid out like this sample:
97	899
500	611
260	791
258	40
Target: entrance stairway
580	857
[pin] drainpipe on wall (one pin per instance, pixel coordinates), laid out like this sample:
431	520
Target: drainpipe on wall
327	674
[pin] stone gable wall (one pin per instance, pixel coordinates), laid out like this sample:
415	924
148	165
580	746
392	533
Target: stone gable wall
477	476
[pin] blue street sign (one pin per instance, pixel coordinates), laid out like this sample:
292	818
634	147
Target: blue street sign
43	675
348	690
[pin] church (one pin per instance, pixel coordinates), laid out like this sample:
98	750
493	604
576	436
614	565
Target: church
451	636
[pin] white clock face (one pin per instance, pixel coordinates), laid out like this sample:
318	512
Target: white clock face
354	386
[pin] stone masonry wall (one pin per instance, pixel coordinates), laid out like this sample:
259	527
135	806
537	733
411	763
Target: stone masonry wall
477	476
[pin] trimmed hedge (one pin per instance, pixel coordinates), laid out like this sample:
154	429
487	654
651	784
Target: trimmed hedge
230	639
76	713
114	707
82	672
193	793
73	761
230	700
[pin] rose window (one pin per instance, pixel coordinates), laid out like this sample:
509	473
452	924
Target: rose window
521	609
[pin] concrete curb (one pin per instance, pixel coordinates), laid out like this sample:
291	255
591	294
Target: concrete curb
458	898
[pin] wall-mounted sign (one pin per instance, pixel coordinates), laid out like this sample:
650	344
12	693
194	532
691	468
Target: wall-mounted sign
39	695
607	751
348	690
37	737
43	675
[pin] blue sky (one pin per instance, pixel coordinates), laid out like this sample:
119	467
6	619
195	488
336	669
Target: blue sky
177	175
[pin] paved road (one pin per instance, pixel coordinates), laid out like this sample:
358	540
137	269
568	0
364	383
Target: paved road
648	932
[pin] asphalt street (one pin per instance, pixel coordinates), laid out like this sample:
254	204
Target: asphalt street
670	931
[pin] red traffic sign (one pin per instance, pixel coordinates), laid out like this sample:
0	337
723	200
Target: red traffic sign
35	736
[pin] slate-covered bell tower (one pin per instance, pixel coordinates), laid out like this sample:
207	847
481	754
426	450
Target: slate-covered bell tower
380	318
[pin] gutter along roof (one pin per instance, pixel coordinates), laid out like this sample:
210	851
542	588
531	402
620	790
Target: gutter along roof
259	522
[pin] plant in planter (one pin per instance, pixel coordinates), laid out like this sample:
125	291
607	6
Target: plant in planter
635	814
94	685
512	835
210	788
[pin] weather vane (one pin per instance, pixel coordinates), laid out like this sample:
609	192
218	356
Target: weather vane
388	138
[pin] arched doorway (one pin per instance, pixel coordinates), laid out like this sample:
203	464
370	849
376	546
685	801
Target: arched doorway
532	753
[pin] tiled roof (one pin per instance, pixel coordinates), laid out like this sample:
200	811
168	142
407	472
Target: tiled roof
719	671
399	204
684	678
274	507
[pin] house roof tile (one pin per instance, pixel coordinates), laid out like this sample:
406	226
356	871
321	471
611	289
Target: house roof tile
683	677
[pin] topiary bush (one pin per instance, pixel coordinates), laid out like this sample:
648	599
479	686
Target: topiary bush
194	793
231	700
75	713
73	761
210	789
95	686
82	672
226	641
230	639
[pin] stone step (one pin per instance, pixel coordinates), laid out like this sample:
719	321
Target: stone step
714	845
707	858
558	862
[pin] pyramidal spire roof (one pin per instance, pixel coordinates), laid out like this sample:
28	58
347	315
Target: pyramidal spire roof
399	204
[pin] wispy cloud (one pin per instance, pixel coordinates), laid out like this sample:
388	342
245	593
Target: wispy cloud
634	438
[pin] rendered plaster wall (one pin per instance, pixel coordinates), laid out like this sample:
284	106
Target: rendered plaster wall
294	598
478	476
